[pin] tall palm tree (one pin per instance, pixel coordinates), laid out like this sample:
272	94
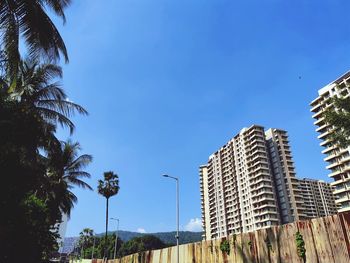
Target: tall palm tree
66	171
28	19
108	188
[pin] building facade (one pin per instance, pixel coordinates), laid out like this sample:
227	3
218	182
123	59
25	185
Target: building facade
288	192
250	183
338	158
318	198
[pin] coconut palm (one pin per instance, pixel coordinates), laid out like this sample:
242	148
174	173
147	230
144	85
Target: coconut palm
38	91
28	19
66	171
108	188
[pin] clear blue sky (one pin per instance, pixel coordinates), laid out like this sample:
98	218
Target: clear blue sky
169	82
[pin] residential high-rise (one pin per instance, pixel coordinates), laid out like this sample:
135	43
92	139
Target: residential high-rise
318	198
337	157
249	184
288	193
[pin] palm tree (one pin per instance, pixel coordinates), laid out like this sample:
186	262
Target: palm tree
85	239
37	91
108	188
66	171
30	21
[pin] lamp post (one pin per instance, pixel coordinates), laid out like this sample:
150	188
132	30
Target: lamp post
177	213
116	236
93	248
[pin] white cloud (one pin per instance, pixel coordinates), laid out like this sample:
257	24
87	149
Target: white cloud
141	230
194	225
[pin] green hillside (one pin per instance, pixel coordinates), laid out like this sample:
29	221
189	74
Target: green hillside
166	237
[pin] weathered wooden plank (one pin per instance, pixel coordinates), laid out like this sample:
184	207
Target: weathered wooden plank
321	240
215	244
164	255
156	256
222	256
197	252
238	255
262	246
345	224
207	251
273	235
287	244
305	230
323	248
247	246
337	239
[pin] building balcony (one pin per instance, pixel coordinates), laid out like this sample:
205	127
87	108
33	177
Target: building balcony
342	200
324	134
333	165
315	103
319	121
320	129
335	173
341	190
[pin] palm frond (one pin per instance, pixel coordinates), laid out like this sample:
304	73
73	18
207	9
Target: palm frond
78	182
58	7
51	91
39	32
63	106
54	116
8	22
80	163
77	174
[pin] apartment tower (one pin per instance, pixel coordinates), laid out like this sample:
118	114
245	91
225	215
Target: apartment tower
338	158
318	198
249	183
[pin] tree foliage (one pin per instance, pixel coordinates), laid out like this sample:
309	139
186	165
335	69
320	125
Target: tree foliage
37	169
86	249
109	186
338	117
28	20
140	244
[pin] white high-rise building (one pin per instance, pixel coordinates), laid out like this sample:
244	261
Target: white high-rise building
249	183
338	158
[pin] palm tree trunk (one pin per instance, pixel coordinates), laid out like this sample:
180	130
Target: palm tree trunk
105	250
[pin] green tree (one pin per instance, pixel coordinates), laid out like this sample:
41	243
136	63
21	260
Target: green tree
28	20
66	170
338	117
86	239
32	104
38	92
140	244
108	188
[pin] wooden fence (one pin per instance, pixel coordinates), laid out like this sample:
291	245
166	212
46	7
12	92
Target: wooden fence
326	241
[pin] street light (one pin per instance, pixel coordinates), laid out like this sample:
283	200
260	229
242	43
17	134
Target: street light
93	248
177	213
116	236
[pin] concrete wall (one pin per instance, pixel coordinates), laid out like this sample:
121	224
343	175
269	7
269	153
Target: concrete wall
326	241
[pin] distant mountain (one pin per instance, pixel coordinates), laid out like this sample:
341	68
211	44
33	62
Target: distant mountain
166	237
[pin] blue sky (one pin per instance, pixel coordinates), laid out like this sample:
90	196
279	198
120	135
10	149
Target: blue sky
169	82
